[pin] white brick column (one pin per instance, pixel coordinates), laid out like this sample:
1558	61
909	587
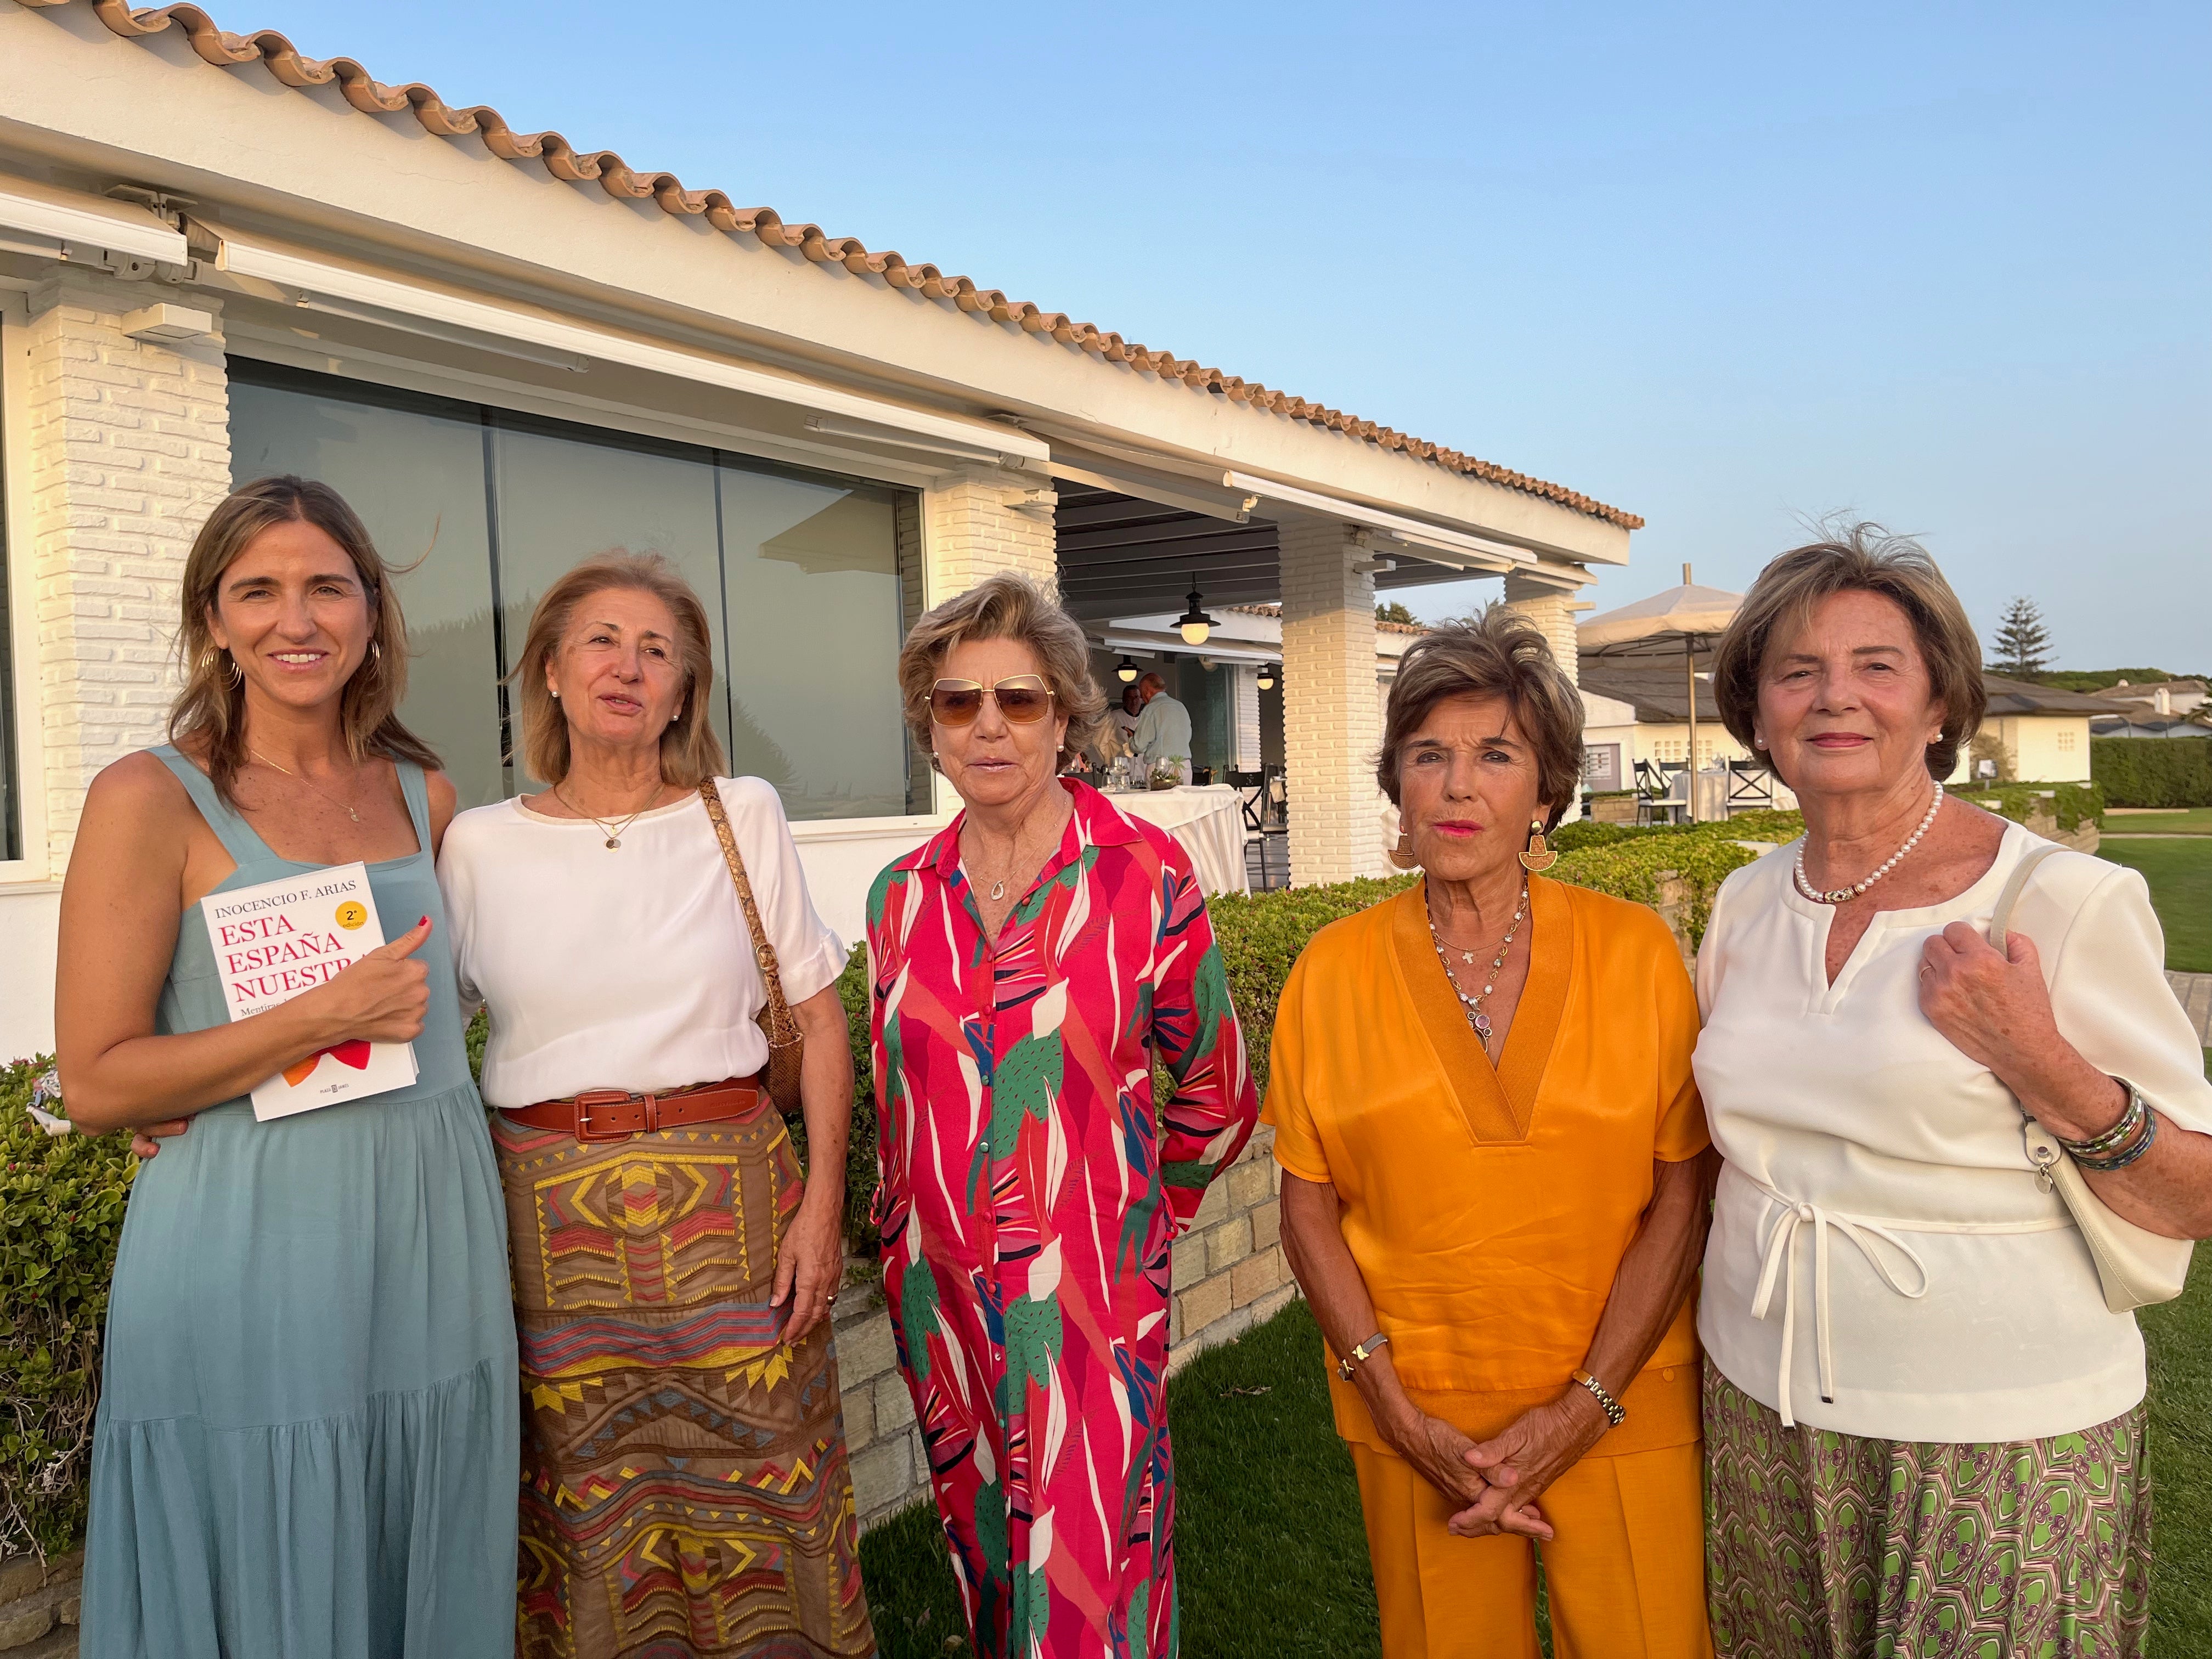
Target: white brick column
1332	717
974	530
1550	609
129	451
970	529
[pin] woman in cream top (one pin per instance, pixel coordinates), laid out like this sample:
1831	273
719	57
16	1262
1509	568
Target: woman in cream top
1924	1426
1975	1314
685	1488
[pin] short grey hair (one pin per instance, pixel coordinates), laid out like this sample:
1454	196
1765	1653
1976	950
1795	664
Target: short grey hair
1006	607
1499	654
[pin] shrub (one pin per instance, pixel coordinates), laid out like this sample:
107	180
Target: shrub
61	1212
2072	804
1630	870
1764	825
2153	771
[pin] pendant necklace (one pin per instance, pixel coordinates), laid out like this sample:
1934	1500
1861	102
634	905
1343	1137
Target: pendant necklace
1843	895
612	832
297	779
1472	1006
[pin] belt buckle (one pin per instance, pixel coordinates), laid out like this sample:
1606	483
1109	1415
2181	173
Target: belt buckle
590	1098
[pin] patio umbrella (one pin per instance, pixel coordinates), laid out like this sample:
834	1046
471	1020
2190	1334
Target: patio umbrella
1681	621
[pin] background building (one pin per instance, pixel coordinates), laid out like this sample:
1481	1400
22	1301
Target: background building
219	258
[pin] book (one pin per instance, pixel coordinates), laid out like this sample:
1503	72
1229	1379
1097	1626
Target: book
277	939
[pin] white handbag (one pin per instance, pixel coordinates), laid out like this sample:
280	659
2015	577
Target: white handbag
2135	1267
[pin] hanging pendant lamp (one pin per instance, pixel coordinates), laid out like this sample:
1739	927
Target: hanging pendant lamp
1126	670
1194	624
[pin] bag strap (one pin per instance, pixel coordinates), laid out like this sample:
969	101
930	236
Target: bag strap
779	1010
2000	918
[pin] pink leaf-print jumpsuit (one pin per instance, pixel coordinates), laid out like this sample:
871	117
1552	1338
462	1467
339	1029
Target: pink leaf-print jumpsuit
1027	1207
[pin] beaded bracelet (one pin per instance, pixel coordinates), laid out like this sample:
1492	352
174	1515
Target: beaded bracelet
2131	1120
2121	1160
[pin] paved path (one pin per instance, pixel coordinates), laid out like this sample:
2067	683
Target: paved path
2195	991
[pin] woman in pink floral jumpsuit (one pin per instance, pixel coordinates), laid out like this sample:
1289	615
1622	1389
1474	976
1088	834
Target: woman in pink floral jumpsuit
1031	1187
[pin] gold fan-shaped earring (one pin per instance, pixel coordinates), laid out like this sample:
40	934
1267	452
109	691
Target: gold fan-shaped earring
1402	853
1539	857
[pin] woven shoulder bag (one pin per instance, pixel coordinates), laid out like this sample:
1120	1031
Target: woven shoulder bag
786	1044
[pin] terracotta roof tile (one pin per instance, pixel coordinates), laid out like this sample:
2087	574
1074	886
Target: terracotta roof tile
218	46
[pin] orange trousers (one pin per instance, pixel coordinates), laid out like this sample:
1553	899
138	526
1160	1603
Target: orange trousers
1625	1576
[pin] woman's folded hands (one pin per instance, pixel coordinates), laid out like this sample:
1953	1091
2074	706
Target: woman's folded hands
1516	1465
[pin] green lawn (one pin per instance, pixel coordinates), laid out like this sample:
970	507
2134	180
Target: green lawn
1270	1554
2188	821
2180	877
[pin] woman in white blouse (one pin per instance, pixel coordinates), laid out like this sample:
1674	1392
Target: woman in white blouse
685	1481
1924	1426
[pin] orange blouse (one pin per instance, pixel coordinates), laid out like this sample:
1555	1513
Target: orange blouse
1488	1209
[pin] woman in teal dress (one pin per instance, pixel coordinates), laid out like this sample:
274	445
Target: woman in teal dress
309	1425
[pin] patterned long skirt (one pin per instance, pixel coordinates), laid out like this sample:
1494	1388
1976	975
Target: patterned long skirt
1827	1545
684	1485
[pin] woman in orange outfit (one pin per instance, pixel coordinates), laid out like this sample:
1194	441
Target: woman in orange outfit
1495	1192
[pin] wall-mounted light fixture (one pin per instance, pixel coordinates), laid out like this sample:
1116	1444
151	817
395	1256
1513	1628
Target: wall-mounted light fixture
1195	626
1267	676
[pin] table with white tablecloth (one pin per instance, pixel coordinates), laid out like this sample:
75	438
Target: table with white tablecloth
1207	818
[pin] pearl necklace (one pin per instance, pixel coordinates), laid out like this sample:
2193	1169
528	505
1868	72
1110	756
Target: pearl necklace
1472	1006
1845	894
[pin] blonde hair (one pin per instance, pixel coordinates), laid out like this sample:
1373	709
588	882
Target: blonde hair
1006	607
210	709
1856	558
691	753
1497	653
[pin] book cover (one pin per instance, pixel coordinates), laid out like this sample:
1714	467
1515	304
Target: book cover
274	940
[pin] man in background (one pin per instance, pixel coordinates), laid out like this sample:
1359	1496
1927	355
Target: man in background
1162	729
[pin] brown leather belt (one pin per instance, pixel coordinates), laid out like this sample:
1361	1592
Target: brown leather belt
611	1115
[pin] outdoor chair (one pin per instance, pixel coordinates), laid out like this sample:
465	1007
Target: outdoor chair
1750	787
1662	792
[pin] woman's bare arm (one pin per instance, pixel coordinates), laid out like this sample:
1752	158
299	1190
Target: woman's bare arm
122	905
1313	1240
812	1261
1656	1272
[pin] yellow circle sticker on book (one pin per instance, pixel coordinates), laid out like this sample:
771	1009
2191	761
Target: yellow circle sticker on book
352	914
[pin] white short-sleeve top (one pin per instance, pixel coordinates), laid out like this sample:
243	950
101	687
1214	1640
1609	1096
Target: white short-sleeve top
629	968
1878	1236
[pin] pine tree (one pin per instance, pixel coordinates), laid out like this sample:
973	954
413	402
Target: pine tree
2023	644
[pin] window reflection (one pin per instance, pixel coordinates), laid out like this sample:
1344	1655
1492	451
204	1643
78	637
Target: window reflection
414	469
807	576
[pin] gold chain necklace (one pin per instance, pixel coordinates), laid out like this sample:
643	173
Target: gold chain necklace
1472	1006
614	832
304	783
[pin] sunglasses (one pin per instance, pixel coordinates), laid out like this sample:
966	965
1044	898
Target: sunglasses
1022	700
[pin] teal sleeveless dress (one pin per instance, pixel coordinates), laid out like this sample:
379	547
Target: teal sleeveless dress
309	1425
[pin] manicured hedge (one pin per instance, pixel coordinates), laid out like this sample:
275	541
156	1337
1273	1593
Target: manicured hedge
2153	771
62	1199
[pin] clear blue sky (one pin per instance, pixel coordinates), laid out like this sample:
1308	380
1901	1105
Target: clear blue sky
1948	267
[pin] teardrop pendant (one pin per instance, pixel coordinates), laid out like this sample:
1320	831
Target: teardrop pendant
997	891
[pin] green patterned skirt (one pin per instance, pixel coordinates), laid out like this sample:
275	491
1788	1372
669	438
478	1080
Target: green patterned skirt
1827	1546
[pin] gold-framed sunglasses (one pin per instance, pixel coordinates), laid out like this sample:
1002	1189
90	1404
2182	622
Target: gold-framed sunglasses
1022	700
